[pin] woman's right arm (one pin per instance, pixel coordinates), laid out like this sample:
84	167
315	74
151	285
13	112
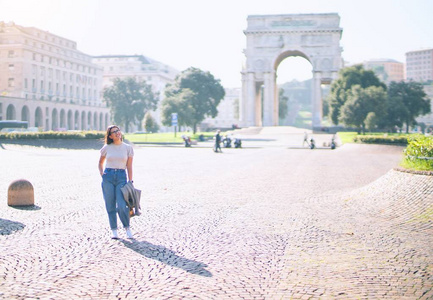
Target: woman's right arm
101	165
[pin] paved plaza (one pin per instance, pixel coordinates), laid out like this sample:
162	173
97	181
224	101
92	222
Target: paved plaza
270	221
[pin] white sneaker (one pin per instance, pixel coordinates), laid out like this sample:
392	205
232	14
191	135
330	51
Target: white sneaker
114	234
129	233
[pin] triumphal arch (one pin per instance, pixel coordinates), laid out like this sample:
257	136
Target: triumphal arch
271	39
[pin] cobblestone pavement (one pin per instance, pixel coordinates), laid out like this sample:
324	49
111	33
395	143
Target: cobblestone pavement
259	223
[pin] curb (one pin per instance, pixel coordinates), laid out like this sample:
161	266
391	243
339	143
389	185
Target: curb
416	172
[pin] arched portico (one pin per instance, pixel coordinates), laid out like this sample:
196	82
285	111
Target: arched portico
70	120
25	114
77	120
83	120
48	115
271	39
11	112
39	117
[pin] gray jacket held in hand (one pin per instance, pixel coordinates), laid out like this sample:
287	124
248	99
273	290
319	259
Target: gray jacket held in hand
132	197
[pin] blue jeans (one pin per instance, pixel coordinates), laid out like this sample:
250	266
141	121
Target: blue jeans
112	181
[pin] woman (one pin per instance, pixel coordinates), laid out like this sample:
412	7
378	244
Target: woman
117	156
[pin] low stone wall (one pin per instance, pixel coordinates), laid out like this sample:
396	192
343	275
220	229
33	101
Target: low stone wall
54	143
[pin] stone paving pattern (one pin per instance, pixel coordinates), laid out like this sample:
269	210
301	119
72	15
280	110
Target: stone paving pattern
254	223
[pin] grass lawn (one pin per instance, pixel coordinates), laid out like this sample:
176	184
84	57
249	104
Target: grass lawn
347	137
166	137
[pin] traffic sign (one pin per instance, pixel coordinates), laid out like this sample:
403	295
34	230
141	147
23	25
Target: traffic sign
174	119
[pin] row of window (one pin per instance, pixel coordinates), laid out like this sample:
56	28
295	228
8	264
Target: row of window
56	61
63	63
89	102
56	91
55	39
419	69
419	53
79	78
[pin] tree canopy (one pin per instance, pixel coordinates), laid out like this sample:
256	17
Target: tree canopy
348	77
150	123
128	100
358	98
194	95
362	103
406	101
179	103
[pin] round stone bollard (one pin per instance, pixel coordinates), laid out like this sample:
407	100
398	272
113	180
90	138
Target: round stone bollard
21	193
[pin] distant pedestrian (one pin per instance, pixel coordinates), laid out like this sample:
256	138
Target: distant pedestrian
117	157
217	141
305	139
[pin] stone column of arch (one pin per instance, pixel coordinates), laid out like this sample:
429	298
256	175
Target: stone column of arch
270	106
317	99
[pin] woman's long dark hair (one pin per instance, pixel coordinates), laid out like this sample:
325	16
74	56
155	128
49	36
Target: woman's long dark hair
108	140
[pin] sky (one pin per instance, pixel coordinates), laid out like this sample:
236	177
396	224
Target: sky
208	34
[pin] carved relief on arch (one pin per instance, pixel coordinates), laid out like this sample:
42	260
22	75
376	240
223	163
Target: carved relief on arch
259	64
326	64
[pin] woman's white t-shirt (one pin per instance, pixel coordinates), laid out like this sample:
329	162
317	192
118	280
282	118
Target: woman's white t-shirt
116	156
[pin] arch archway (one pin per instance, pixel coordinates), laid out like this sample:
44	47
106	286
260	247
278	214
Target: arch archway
70	120
95	121
62	118
39	118
293	88
271	39
11	113
89	120
77	120
54	119
83	120
25	114
101	121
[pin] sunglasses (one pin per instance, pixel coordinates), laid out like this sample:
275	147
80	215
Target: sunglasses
115	131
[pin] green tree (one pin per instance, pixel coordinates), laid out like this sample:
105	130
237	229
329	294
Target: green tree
371	121
411	102
283	104
348	77
207	92
395	112
128	99
150	123
179	103
360	102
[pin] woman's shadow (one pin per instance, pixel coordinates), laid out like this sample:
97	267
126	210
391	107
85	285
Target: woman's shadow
8	227
167	256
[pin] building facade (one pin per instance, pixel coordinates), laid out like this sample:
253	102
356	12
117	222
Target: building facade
419	65
228	111
154	73
386	69
46	81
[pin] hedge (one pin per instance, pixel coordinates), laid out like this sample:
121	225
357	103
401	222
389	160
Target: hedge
52	135
382	139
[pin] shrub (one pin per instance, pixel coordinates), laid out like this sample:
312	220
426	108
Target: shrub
419	153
